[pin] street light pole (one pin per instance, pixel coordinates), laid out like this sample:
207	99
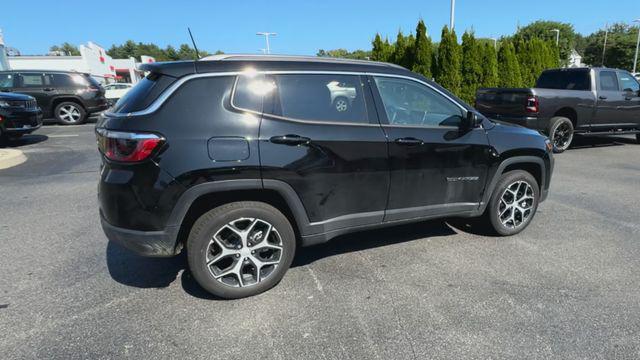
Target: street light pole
266	36
635	59
453	14
495	43
557	31
604	47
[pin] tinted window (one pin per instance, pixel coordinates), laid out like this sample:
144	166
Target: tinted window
565	80
32	80
249	92
331	98
410	103
608	81
68	80
143	93
628	83
6	80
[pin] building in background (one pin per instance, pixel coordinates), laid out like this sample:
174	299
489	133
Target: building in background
575	59
93	60
4	63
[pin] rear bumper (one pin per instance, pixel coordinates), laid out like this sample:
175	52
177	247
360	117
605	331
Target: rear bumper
144	243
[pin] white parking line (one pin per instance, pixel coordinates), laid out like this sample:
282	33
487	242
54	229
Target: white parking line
62	135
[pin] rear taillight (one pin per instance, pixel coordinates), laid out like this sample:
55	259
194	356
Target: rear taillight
127	146
532	104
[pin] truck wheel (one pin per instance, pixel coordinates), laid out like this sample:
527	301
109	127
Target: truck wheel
561	133
513	203
240	249
70	113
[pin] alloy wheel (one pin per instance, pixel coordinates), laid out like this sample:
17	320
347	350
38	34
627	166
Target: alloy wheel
69	113
562	136
342	105
244	252
516	204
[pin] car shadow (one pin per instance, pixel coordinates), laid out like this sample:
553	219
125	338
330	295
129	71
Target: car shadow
23	141
585	142
130	269
371	239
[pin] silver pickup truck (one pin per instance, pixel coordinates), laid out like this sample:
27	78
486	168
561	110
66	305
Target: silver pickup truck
564	102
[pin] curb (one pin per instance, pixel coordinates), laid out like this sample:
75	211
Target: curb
10	158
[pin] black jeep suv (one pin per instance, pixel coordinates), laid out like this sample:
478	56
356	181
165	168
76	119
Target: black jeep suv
19	115
70	97
241	159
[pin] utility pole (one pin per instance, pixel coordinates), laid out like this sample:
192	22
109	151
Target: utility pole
266	37
495	43
453	14
635	59
604	47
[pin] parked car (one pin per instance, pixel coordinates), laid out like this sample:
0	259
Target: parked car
19	115
564	102
68	96
242	159
636	75
113	92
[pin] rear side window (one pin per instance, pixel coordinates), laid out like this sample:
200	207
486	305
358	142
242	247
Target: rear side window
327	98
628	83
32	80
564	80
143	93
249	92
67	80
608	81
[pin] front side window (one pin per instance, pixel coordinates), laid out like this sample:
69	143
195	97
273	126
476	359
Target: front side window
6	80
628	82
608	81
319	97
32	80
410	103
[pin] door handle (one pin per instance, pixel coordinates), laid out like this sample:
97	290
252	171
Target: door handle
409	141
290	139
602	97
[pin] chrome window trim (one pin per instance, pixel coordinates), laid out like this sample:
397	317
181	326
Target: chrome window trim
157	103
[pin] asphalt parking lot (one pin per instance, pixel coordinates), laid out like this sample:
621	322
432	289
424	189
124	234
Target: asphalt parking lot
568	287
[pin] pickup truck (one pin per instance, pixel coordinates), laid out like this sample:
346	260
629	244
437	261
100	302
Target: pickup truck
564	102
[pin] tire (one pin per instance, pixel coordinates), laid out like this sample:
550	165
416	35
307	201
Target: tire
561	133
238	224
70	113
341	104
638	138
502	221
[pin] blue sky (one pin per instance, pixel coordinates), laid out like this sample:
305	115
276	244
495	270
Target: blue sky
303	26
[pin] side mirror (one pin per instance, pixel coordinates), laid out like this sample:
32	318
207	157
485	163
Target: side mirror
471	121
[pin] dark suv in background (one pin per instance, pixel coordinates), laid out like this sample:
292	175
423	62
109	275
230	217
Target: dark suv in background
70	97
241	159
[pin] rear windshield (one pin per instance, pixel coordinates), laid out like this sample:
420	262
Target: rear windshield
565	80
143	93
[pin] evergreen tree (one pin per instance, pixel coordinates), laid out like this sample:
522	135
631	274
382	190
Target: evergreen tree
471	67
422	57
449	61
489	66
382	50
400	50
508	66
410	53
377	53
